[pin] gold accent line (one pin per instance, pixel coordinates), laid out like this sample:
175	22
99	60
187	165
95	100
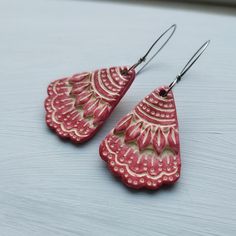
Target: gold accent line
135	174
86	96
136	127
66	99
96	91
157	108
110	79
146	135
69	131
69	110
83	87
103	87
54	86
157	125
102	110
94	104
66	130
140	158
173	137
159	137
127	118
126	153
73	118
68	87
153	118
61	124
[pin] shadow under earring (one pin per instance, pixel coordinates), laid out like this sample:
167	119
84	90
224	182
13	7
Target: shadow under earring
77	106
143	149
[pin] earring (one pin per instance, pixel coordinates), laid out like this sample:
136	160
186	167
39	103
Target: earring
77	106
143	149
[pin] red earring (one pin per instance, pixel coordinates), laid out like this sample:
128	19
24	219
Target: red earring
143	149
77	106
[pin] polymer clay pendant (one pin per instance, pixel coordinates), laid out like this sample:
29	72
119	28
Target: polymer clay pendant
143	148
77	106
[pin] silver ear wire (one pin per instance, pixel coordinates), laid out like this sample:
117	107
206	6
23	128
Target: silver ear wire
189	64
143	59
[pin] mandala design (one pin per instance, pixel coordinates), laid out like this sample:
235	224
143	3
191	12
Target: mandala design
143	149
77	106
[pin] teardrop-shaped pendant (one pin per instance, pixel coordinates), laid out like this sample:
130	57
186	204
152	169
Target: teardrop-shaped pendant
143	149
77	106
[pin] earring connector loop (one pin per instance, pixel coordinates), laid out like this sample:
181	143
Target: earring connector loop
189	64
143	59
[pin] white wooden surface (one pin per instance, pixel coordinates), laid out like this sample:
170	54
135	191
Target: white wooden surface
49	187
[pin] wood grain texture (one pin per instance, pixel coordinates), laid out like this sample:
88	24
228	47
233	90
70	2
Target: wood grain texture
49	187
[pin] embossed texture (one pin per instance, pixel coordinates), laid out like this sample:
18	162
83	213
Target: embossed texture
143	149
77	106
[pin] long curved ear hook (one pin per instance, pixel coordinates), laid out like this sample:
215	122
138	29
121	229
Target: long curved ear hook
143	59
189	64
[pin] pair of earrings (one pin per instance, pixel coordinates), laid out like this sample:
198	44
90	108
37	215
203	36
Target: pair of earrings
143	149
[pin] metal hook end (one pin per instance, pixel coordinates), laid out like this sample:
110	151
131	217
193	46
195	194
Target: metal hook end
189	64
143	59
164	93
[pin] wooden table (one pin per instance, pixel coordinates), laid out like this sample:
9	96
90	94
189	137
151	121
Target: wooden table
50	187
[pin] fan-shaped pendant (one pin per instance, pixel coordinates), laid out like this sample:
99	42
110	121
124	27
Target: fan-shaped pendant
143	149
77	106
